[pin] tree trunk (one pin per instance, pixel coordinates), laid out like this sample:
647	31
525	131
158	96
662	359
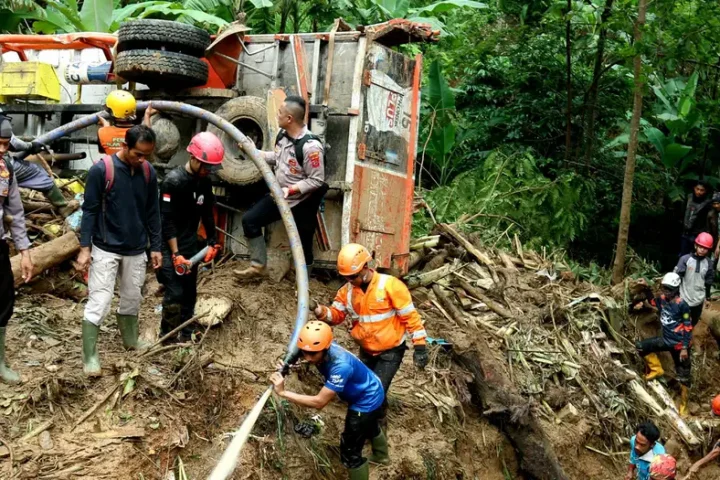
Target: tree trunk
626	206
47	255
568	66
592	96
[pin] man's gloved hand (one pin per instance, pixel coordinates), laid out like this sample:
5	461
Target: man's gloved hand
420	356
212	252
180	263
37	147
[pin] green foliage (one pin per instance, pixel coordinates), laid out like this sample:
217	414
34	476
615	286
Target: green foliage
509	192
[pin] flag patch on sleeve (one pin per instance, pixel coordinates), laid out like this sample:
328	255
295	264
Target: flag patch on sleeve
166	197
314	158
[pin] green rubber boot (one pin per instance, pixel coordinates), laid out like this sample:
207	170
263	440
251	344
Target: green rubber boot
6	374
360	473
380	454
128	325
57	199
91	359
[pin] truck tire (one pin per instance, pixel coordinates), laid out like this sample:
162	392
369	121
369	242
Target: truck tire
161	69
249	115
163	35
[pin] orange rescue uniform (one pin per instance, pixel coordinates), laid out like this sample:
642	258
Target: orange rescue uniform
381	317
111	139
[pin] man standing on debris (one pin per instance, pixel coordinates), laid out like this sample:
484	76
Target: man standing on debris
298	159
380	315
31	175
644	447
695	216
698	273
348	378
121	106
676	337
11	209
120	213
186	198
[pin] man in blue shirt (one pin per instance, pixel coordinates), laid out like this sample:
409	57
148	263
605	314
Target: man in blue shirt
120	216
348	378
644	446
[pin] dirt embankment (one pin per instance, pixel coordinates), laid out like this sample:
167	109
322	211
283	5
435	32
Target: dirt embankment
171	412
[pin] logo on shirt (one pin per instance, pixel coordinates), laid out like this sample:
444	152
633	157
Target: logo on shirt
337	379
166	197
201	199
314	158
666	318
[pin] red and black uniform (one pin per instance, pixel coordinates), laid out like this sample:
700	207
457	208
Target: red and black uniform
676	334
185	200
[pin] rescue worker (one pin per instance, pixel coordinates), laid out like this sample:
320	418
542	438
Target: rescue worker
31	175
697	273
714	453
186	197
348	378
380	315
713	225
676	337
121	106
298	160
663	467
11	209
644	447
119	217
695	216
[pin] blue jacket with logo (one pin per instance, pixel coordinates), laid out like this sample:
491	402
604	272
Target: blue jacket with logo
675	319
352	380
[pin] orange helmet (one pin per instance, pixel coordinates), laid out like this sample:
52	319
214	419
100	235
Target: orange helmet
663	467
716	405
352	258
315	336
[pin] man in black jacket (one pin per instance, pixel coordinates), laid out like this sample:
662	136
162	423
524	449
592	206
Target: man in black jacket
186	198
120	214
695	219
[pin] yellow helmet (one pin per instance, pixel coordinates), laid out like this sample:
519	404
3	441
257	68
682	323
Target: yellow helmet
121	105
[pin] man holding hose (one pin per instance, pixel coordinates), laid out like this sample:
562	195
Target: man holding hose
348	378
186	197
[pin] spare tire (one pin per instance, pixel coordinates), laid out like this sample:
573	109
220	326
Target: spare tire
157	68
168	137
249	115
163	35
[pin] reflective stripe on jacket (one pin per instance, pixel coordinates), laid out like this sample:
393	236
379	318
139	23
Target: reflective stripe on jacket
380	318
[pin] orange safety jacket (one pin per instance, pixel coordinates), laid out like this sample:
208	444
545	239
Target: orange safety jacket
379	318
111	138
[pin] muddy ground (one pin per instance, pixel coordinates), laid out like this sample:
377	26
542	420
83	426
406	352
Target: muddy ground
171	413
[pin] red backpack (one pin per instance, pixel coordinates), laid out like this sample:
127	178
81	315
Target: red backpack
110	176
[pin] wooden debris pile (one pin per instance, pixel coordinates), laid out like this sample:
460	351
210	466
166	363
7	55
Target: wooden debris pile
558	341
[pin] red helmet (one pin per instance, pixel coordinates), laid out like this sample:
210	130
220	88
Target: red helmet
663	467
716	405
704	240
208	149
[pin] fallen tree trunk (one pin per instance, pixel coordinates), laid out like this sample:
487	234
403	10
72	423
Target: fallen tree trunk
495	395
33	206
474	292
47	255
465	243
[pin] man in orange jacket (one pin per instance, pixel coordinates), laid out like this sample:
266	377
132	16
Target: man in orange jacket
379	313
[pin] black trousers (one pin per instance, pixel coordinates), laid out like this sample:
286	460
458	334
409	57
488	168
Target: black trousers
683	368
7	285
385	367
180	294
359	427
696	313
265	212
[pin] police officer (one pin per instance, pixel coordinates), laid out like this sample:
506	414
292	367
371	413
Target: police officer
299	167
186	197
10	206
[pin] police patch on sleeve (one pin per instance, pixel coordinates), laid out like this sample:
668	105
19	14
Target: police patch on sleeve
314	158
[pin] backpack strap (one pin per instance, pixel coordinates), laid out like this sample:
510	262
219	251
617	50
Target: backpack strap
146	172
298	143
109	179
11	171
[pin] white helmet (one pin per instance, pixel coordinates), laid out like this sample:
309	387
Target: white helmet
671	280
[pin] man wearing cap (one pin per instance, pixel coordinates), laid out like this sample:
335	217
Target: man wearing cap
11	209
186	197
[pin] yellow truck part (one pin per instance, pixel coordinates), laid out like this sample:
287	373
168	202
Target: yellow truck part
29	80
